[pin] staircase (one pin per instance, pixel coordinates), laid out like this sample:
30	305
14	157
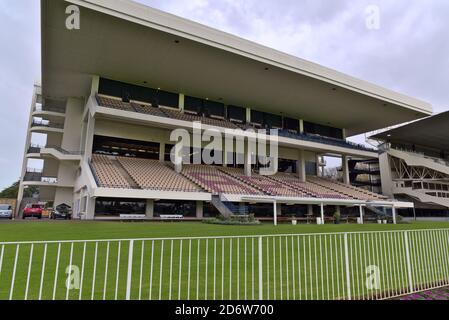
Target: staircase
422	196
376	211
418	160
221	206
125	174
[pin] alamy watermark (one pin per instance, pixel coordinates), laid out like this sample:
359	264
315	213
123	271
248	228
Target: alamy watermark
372	277
372	17
73	20
226	147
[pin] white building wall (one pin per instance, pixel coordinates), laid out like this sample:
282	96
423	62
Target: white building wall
64	195
71	139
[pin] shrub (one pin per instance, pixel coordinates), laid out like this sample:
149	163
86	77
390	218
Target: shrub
233	220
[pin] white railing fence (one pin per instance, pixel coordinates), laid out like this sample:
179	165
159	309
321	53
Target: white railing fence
361	265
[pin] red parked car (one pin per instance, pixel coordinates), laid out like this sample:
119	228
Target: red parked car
32	210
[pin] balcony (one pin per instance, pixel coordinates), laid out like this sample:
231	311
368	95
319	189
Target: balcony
36	177
47	124
34	149
57	111
33	175
324	140
61	154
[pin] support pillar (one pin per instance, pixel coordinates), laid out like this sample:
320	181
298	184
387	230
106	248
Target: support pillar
322	213
199	209
318	168
162	152
301	166
181	102
275	213
361	211
344	165
89	136
301	126
393	209
248	157
90	208
149	210
178	157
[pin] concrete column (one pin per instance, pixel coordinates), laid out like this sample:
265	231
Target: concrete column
162	152
181	102
36	92
95	85
149	209
17	213
301	126
386	175
199	209
248	158
322	213
248	115
90	208
275	213
362	212
301	166
393	209
89	137
318	168
225	158
345	167
178	158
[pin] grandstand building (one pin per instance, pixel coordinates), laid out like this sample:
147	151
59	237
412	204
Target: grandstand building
414	164
114	90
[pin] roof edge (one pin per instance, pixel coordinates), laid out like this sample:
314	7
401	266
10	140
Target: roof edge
166	22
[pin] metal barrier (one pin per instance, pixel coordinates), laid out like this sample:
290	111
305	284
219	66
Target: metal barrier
334	266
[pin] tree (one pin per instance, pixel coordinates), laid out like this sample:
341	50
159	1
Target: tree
12	191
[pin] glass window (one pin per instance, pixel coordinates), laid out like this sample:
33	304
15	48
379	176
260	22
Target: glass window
115	207
237	114
171	207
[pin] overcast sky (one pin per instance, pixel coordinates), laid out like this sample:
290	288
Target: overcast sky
406	50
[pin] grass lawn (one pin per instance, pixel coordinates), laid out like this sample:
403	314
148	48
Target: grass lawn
294	267
77	230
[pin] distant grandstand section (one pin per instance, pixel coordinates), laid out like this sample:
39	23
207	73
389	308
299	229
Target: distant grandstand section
414	165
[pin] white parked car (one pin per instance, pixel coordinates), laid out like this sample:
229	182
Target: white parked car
5	211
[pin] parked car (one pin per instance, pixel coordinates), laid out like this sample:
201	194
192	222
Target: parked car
62	211
32	210
6	211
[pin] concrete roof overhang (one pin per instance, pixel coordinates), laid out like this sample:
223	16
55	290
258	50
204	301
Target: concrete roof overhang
431	132
133	43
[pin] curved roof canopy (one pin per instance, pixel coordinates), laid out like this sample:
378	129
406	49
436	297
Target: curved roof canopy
431	132
133	43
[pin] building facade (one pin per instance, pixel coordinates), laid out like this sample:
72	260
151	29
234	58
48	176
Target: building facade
111	99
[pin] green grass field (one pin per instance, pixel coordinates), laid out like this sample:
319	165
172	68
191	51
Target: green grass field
77	230
305	267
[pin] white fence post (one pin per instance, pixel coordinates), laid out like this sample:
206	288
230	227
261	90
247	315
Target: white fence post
130	270
260	270
409	265
348	275
415	273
